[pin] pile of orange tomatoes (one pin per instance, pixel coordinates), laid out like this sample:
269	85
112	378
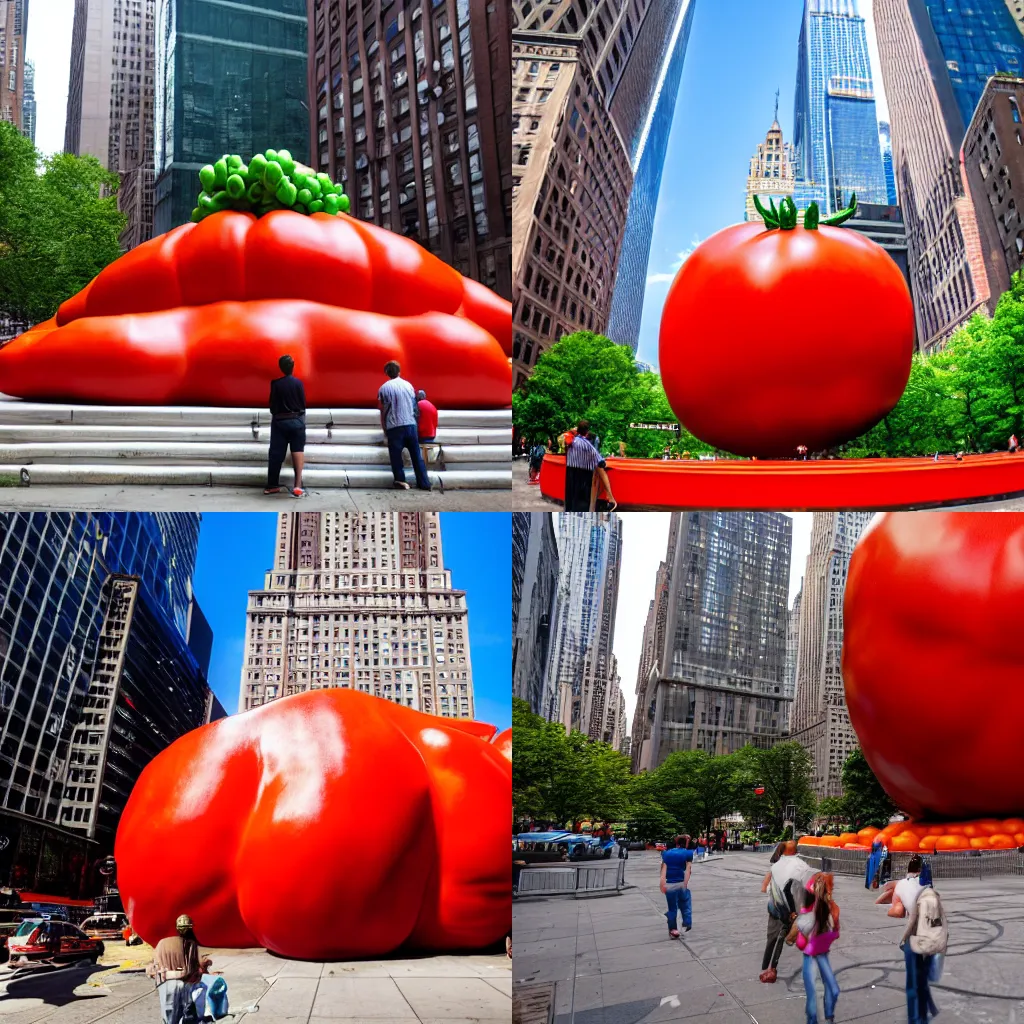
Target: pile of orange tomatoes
907	837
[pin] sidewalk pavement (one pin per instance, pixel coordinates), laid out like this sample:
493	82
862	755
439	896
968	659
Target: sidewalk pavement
184	498
265	989
609	960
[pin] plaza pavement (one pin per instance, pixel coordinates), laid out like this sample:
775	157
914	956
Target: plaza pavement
609	960
184	498
265	989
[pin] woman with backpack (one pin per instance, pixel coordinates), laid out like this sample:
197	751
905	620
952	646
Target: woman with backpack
924	941
815	929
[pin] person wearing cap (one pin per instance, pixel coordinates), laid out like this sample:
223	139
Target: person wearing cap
176	967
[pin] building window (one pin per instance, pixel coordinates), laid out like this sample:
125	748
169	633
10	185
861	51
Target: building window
1014	109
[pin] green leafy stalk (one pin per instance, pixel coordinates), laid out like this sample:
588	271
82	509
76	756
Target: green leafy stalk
811	215
272	180
843	215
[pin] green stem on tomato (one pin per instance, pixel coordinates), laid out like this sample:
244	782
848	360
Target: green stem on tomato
843	215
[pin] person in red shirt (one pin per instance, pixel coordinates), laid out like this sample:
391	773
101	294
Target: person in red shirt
427	422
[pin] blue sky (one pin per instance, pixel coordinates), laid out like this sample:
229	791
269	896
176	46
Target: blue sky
236	549
739	53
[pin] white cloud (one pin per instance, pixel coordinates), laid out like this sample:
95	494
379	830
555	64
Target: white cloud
664	277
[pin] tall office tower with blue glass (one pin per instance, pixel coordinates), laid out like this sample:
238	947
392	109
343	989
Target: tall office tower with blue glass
648	158
104	655
937	57
835	123
230	78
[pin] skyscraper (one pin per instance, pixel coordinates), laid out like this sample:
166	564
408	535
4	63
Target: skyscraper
229	79
820	720
936	58
110	101
836	128
885	140
652	647
583	79
773	176
28	104
717	682
647	160
411	110
96	677
580	666
13	32
534	608
792	643
359	600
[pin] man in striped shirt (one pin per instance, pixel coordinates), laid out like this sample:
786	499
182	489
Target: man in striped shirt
581	459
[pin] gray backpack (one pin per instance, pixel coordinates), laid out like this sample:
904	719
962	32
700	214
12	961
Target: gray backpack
931	933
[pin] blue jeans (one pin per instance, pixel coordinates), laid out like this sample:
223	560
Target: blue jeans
406	437
828	980
284	434
679	901
919	996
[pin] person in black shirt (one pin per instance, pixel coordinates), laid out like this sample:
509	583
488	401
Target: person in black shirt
287	427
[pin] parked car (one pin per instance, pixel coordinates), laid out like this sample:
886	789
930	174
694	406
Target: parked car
10	921
105	926
51	941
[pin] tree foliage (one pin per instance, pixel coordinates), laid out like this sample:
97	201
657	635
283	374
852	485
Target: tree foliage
586	376
58	229
864	800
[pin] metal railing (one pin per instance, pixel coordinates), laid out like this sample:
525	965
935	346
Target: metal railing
944	864
572	879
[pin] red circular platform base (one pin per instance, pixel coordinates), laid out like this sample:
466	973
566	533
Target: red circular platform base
830	484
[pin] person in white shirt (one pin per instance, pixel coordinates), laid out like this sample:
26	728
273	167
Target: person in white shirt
908	889
788	875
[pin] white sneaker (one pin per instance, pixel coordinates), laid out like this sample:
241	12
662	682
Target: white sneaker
401	485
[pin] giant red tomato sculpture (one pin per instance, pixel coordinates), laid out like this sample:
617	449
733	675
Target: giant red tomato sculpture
323	826
779	335
933	661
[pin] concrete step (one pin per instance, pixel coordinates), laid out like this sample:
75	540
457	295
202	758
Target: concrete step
31	433
14	411
160	453
196	445
241	476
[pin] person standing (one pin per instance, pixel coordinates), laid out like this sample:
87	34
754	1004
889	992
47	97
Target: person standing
176	967
909	892
816	928
427	425
537	453
581	459
399	414
287	427
785	879
675	884
1014	444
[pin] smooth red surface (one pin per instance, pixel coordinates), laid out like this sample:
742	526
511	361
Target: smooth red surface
775	339
791	484
225	353
933	662
202	285
325	826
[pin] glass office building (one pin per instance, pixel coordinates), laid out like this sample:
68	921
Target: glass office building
834	77
230	78
96	676
977	38
885	138
648	161
721	673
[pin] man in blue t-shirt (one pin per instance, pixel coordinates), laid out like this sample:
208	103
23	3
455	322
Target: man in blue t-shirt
675	884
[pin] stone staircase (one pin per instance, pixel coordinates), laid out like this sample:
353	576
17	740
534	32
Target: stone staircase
44	443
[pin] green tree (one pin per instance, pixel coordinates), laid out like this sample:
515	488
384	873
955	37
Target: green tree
583	376
649	822
785	772
58	229
864	799
833	810
696	787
